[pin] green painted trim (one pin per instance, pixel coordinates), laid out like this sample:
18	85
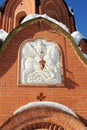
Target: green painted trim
53	25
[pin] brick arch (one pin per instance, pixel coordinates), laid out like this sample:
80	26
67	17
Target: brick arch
10	12
43	126
43	117
11	5
57	6
8	19
60	8
19	17
53	15
51	10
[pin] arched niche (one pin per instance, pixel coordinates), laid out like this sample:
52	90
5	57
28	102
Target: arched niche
60	11
19	17
52	10
12	8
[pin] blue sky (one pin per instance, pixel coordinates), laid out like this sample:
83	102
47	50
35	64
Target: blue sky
80	13
1	1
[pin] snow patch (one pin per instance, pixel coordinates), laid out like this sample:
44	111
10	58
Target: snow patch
33	16
85	55
3	34
77	36
71	10
46	103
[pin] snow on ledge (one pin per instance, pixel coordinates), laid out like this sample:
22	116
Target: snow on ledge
3	34
77	36
33	16
46	103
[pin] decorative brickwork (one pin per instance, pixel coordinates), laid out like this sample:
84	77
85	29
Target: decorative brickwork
74	71
56	9
72	92
43	118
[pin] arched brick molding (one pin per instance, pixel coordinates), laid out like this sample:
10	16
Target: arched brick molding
43	126
19	17
12	9
60	10
50	8
55	9
53	15
8	19
43	117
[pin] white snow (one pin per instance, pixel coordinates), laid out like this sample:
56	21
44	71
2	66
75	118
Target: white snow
77	36
45	103
85	55
33	16
70	10
3	34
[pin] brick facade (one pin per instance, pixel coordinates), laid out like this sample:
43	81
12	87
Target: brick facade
72	92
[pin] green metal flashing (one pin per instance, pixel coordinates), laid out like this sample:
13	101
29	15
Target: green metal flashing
53	25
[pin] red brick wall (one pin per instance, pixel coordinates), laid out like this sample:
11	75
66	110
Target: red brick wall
56	9
72	94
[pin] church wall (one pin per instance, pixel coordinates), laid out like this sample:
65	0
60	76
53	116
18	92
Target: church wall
58	10
12	9
22	8
73	91
55	9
